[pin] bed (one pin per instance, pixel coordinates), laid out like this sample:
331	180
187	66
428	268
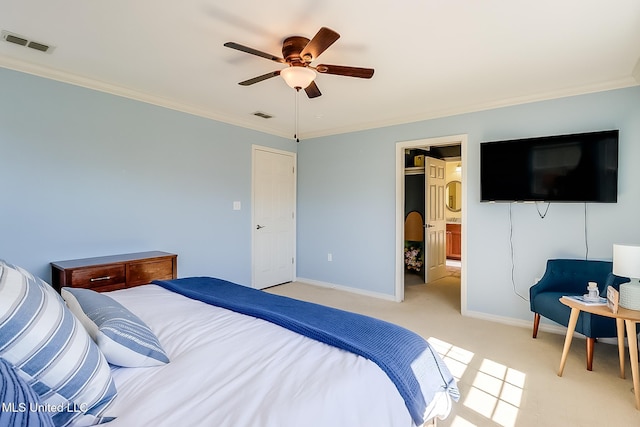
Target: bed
226	368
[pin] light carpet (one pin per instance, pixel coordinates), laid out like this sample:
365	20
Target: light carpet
506	378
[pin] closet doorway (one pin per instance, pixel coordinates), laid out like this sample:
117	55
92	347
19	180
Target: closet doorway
273	204
432	207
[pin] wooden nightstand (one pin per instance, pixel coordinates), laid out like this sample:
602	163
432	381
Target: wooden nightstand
109	273
624	318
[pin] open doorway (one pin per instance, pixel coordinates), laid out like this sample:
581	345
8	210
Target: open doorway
452	150
432	225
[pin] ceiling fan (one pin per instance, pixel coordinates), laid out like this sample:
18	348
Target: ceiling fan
298	53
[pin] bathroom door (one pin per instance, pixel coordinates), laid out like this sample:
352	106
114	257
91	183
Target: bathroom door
435	221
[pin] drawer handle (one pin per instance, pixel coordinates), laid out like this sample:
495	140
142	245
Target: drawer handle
97	279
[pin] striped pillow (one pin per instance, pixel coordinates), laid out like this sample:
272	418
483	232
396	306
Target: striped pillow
51	351
20	404
123	338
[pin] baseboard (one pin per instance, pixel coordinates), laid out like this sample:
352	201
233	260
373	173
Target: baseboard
346	289
508	320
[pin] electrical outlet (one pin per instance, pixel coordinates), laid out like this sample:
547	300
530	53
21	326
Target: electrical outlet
329	257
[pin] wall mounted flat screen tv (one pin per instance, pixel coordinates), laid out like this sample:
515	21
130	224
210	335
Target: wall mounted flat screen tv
562	168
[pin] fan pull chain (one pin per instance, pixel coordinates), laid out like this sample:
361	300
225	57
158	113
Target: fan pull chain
297	107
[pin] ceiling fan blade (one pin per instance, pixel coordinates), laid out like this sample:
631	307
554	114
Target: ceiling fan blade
252	51
341	70
312	90
318	44
259	78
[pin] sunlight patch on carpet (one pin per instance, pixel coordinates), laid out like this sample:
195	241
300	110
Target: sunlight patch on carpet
496	390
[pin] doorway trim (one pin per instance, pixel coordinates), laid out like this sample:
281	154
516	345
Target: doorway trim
400	200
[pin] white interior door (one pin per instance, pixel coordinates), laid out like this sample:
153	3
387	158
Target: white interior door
435	221
273	217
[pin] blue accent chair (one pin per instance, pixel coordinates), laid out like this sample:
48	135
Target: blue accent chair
571	277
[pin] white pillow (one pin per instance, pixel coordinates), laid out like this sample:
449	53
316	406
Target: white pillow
51	350
123	338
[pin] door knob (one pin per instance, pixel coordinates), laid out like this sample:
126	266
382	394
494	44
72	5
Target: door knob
428	226
260	226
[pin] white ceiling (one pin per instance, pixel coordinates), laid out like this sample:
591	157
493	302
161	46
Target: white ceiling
432	58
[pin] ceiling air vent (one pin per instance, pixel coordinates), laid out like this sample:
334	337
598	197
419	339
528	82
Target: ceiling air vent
17	40
38	46
24	41
263	115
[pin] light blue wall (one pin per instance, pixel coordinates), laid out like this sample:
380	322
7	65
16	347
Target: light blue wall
346	201
84	173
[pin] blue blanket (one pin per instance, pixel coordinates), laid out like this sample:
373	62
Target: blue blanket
408	360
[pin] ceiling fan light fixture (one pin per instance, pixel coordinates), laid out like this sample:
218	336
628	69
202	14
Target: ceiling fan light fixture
298	77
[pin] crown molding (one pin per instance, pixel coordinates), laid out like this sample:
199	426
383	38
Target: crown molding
636	71
88	83
565	93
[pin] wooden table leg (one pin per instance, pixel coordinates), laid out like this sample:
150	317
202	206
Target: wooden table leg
620	329
633	353
573	320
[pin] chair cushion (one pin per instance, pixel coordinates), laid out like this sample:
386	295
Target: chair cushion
548	305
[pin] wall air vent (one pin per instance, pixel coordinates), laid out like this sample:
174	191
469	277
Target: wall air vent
263	115
24	41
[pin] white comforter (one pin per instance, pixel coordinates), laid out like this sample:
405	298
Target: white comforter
228	369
